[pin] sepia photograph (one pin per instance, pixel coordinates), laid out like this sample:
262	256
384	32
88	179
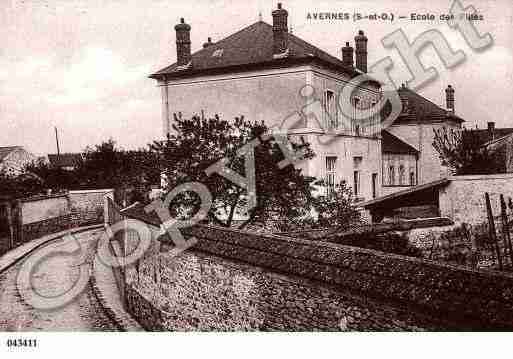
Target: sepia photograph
293	169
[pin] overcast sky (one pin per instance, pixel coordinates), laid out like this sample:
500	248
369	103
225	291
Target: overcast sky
83	65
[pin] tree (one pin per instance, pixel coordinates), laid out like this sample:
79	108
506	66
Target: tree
54	178
336	209
23	185
108	166
464	152
198	143
285	196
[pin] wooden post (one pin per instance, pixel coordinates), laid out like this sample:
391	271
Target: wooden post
505	229
491	228
474	253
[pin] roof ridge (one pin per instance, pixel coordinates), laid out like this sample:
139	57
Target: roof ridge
215	43
401	140
243	38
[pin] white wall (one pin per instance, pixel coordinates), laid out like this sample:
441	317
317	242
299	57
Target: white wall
44	207
463	200
268	96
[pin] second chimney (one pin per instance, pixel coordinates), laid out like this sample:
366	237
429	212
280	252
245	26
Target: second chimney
491	130
360	42
347	55
280	31
449	98
208	43
183	43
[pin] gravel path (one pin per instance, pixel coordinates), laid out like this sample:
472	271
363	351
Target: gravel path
52	277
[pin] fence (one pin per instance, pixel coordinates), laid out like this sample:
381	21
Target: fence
499	229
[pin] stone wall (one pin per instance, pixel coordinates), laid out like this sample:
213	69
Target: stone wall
44	215
463	199
196	291
233	280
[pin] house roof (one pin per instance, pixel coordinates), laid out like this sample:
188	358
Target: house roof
396	199
393	144
6	151
418	108
486	137
65	159
252	47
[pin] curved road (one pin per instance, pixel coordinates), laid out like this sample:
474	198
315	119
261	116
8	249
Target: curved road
53	276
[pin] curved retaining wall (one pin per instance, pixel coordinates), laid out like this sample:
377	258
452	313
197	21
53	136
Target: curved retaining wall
234	280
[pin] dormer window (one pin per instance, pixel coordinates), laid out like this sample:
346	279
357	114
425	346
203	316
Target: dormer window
217	53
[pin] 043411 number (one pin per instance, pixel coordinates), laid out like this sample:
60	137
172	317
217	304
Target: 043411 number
21	343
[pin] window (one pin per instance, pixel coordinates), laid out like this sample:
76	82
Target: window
375	119
374	185
331	170
357	163
391	175
412	177
217	53
356	181
331	120
356	125
402	175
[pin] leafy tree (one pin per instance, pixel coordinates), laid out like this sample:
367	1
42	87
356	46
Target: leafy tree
284	196
198	143
108	166
54	178
24	185
336	209
464	152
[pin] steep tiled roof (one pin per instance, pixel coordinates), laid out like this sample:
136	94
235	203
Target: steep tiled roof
6	151
418	108
393	144
65	159
251	47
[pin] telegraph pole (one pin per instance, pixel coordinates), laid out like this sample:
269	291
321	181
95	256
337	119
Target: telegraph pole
57	141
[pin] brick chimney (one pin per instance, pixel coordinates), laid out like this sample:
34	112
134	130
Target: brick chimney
491	130
449	98
280	31
183	43
360	41
347	55
208	43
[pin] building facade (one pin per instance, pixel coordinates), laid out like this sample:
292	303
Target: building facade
416	161
265	73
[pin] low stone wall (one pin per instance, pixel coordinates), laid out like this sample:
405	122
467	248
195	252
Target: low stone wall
56	224
44	215
233	280
196	291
